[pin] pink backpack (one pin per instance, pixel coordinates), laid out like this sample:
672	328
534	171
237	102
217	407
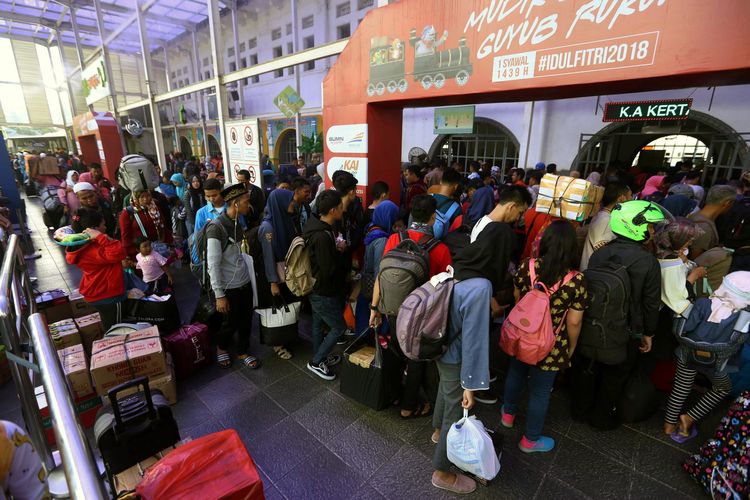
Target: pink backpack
527	332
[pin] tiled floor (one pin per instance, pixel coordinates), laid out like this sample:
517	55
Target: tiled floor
310	442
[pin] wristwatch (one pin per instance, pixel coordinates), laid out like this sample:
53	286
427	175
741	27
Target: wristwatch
373	308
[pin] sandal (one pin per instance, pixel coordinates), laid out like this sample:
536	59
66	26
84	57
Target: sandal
223	360
679	436
282	352
424	410
250	361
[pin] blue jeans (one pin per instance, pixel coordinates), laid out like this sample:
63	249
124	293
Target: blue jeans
540	387
328	310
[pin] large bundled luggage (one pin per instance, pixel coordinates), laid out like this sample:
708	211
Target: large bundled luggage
216	466
130	429
190	348
721	466
567	197
136	172
370	374
163	313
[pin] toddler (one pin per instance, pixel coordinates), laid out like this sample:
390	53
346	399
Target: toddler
154	266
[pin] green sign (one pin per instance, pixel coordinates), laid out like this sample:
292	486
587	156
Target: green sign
289	102
670	109
454	120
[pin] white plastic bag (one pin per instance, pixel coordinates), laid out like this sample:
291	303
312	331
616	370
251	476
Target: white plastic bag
470	448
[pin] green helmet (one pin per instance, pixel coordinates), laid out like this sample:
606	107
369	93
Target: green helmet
631	219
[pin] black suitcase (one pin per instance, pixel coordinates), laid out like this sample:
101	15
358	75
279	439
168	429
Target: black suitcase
134	427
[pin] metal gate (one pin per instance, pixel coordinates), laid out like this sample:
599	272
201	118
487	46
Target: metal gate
489	143
727	157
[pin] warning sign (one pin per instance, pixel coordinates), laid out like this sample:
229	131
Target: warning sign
244	152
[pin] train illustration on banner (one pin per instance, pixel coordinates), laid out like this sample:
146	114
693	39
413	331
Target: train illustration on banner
432	67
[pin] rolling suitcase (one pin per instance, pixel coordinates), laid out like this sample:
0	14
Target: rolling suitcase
132	428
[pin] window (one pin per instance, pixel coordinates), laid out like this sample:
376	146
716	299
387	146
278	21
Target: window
232	66
252	43
8	62
243	62
253	62
187	81
289	29
343	31
307	43
363	4
179	72
276	34
242	46
307	22
343	9
173	75
290	50
208	75
230	52
278	52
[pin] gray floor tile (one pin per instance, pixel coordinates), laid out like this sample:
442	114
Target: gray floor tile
295	391
324	477
554	489
273	370
365	445
590	472
252	417
208	426
190	410
282	447
621	446
327	415
642	486
664	463
406	475
225	392
366	492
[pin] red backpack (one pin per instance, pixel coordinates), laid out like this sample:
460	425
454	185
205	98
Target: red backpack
527	332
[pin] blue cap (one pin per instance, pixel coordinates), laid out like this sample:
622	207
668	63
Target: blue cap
540	166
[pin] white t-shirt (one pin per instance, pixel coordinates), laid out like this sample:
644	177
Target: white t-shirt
598	234
151	265
479	227
674	293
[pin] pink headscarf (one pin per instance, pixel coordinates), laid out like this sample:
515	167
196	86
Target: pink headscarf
653	184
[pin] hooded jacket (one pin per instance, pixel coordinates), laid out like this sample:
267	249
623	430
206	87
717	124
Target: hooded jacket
327	263
100	260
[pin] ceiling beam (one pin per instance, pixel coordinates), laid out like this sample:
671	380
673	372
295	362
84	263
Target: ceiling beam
113	7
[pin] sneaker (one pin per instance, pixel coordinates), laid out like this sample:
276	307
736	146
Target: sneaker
493	379
349	333
486	398
321	370
506	418
333	360
541	445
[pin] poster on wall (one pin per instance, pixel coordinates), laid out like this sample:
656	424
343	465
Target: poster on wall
454	120
356	166
243	150
95	81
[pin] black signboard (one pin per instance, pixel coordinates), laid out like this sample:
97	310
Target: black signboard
642	111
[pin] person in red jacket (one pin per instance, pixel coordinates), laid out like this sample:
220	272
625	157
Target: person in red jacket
101	261
147	219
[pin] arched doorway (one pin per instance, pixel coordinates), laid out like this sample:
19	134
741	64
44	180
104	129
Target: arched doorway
185	147
491	142
286	146
213	146
668	150
620	143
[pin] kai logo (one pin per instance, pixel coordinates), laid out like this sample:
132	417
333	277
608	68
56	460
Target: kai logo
347	138
351	165
357	139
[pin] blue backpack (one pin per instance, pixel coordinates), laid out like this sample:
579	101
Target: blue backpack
443	221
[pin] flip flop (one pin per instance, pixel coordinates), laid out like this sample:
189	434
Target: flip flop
680	437
419	412
250	361
282	352
223	360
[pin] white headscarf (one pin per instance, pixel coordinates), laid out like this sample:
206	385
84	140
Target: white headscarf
69	178
733	295
83	186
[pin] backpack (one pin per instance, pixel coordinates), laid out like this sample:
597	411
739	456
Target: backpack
299	277
735	226
137	172
457	239
606	331
422	326
49	197
402	270
198	243
443	221
527	332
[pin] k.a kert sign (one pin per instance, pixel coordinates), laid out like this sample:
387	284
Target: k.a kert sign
675	109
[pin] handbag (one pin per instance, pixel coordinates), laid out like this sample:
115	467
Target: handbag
371	374
278	325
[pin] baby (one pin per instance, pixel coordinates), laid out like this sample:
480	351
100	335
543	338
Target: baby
154	266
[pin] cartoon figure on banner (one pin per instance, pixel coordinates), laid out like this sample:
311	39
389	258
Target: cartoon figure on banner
428	43
387	66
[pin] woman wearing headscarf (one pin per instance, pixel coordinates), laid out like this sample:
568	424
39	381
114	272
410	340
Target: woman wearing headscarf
711	319
275	235
384	217
193	200
653	190
145	218
482	203
679	201
66	194
179	184
479	269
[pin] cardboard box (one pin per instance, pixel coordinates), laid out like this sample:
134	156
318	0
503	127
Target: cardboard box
86	410
363	357
115	360
91	329
64	334
569	198
128	479
75	366
166	384
78	305
54	305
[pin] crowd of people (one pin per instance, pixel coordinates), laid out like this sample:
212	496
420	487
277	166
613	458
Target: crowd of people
680	248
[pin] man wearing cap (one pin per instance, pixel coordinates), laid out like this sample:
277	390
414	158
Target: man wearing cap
230	277
89	198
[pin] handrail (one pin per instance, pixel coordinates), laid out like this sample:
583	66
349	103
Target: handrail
77	457
17	302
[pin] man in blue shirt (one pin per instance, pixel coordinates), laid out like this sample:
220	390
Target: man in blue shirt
214	207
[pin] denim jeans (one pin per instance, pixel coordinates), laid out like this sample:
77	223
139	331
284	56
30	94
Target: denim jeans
540	387
448	411
328	310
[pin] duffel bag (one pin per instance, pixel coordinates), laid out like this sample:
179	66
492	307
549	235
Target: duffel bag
190	348
164	314
370	374
278	325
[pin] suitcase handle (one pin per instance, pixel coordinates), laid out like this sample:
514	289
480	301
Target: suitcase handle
112	395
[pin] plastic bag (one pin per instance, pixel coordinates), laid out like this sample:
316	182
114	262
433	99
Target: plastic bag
216	466
470	448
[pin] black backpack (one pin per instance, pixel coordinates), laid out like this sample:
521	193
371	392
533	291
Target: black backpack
606	330
735	227
198	244
457	239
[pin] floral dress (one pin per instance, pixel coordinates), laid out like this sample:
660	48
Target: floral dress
572	295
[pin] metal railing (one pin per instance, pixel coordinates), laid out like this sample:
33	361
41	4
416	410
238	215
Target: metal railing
17	306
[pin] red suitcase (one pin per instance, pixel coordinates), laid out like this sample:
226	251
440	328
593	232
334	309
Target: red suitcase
190	347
